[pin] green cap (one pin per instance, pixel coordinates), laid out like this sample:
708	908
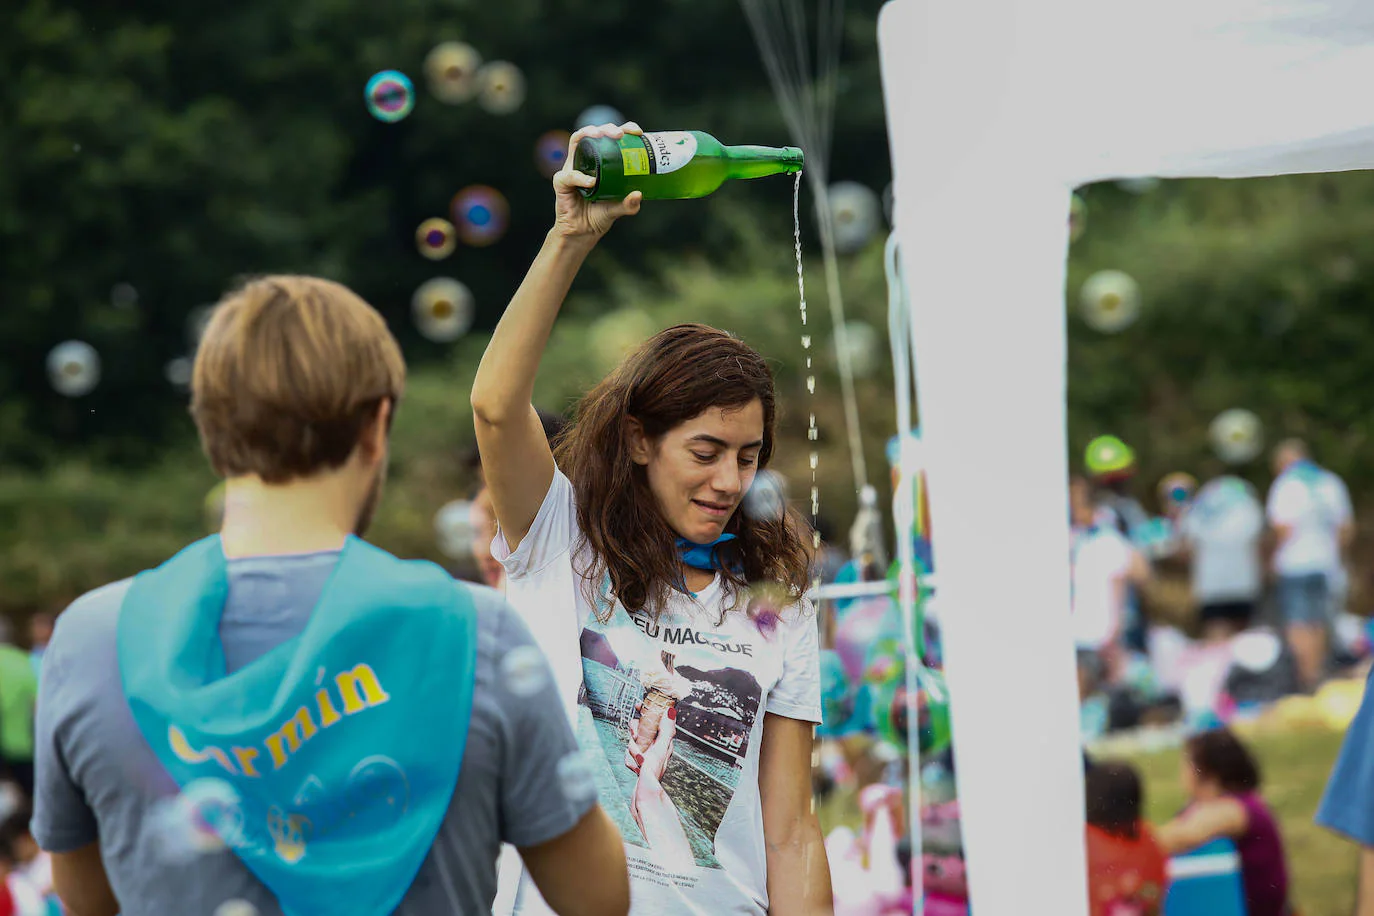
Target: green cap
1108	455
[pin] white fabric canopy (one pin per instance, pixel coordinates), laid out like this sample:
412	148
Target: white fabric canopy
996	111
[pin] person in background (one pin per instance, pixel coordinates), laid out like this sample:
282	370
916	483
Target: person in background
483	519
1126	867
1176	493
1347	805
31	867
1111	466
294	387
1222	780
1220	533
483	515
18	694
830	556
1104	566
40	632
1309	512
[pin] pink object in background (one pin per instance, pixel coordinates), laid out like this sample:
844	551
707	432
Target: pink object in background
856	632
864	872
946	886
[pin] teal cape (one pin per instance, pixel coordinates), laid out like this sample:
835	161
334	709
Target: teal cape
328	764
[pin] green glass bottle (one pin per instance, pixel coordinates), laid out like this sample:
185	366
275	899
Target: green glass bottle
675	164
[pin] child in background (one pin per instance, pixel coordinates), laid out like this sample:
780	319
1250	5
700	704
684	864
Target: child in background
1126	868
30	869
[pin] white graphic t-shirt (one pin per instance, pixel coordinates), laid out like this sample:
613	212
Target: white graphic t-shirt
669	714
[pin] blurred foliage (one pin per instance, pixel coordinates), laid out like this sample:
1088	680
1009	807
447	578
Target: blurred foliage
176	147
75	526
1254	294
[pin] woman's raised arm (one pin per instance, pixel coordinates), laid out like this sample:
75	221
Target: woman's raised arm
515	455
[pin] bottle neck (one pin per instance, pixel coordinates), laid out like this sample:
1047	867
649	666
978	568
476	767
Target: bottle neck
760	161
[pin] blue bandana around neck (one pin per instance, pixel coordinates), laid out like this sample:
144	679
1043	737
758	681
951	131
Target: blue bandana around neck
702	556
340	748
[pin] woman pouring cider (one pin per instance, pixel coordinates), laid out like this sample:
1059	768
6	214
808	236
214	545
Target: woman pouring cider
694	698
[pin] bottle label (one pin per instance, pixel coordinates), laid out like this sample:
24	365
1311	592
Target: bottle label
670	150
634	155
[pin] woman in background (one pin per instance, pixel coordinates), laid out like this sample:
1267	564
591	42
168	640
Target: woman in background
1222	781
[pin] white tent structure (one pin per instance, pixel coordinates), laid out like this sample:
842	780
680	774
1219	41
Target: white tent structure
996	111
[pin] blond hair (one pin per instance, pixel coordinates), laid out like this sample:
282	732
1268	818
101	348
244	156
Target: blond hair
289	375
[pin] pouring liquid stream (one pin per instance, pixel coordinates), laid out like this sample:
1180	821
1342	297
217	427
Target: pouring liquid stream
811	434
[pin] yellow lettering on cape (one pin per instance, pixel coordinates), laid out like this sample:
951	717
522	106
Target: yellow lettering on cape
372	694
181	747
296	730
245	756
328	714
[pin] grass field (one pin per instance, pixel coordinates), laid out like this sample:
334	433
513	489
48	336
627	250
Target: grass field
1295	764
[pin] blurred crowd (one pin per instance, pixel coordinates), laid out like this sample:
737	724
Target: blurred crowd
1265	614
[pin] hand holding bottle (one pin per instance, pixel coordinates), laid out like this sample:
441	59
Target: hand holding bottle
574	215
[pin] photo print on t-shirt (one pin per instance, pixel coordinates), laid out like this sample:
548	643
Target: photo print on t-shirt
672	708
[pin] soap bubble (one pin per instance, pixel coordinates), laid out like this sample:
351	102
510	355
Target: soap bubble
597	115
766	499
551	151
451	69
454	529
1110	301
236	908
378	790
123	296
524	671
854	214
1142	185
436	238
205	818
481	214
862	342
178	372
576	779
1078	218
390	96
73	368
442	309
1237	436
502	87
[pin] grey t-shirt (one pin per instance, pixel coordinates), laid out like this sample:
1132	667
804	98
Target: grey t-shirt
97	779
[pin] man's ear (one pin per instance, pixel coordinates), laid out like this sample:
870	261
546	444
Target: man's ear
378	429
641	449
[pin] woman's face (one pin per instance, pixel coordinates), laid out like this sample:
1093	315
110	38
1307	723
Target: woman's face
483	519
700	470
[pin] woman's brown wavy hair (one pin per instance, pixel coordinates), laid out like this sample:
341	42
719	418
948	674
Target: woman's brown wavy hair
676	375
